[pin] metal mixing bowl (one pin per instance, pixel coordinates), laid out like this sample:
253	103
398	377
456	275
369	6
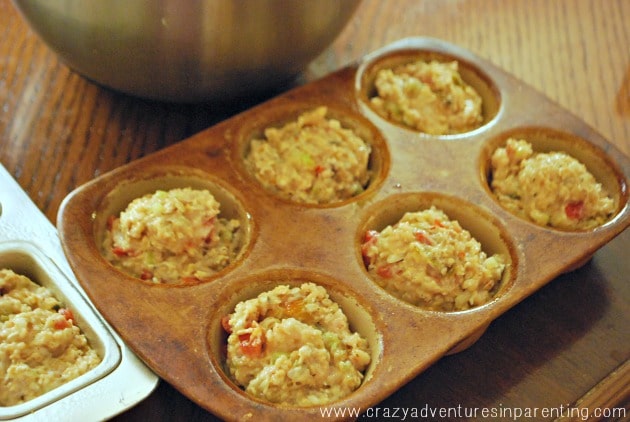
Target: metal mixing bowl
188	50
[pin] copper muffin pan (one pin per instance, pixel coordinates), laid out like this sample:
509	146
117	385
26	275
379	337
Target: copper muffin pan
176	330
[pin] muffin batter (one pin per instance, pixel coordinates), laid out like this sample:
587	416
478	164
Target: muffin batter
550	189
430	261
41	348
430	97
173	236
293	345
313	160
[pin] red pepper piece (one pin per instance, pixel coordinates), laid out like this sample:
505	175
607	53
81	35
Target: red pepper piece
385	271
67	321
250	347
225	323
422	237
146	274
118	251
368	239
574	210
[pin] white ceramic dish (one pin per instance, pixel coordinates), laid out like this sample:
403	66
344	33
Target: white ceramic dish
29	245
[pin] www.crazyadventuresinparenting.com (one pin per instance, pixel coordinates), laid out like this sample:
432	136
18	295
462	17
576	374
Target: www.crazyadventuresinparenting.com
504	413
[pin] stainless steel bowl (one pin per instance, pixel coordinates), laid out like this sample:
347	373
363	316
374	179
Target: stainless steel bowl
188	50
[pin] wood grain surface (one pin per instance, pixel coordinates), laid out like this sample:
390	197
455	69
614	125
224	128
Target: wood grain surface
566	345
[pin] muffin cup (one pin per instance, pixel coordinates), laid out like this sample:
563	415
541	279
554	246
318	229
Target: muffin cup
282	114
360	315
471	74
545	139
494	238
122	194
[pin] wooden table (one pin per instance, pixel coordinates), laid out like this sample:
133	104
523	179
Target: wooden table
567	345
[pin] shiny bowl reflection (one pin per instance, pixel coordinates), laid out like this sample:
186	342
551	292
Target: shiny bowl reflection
187	51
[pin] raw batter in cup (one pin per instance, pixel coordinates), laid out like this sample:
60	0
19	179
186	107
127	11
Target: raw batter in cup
41	347
172	237
550	189
430	261
430	97
313	160
293	345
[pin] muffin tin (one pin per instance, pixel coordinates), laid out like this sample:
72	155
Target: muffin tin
29	246
176	330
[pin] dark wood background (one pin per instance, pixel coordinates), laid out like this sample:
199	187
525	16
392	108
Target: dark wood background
568	343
